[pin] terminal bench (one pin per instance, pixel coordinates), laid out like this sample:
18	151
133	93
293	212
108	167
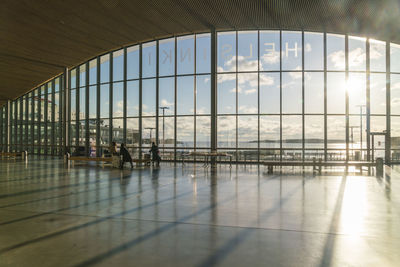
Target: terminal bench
317	165
106	159
23	154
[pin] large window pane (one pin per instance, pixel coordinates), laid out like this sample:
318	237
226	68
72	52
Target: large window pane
92	102
226	53
132	98
292	132
394	57
167	95
336	93
149	60
82	75
248	51
269	132
357	92
105	68
73	78
148	131
118	100
357	54
118	65
93	71
132	58
105	101
247	131
166	131
248	93
378	123
104	132
117	131
132	132
314	92
377	55
395	94
203	56
185	95
357	131
166	55
82	103
226	126
149	97
314	131
269	93
291	51
335	52
226	93
313	51
185	132
185	57
203	94
73	106
336	132
203	131
269	50
378	93
292	92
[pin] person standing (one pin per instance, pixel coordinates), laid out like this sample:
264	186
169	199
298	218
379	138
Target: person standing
155	154
126	156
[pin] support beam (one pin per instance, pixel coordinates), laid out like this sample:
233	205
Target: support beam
213	90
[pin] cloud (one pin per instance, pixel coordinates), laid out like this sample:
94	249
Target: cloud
233	90
165	103
247	109
250	91
266	80
337	58
357	57
221	78
270	58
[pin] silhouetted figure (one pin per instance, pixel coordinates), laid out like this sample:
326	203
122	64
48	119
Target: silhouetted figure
113	149
126	157
155	157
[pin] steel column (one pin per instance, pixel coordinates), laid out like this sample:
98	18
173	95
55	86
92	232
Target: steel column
388	125
213	90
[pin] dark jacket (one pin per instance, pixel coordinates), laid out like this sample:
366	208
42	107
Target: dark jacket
126	157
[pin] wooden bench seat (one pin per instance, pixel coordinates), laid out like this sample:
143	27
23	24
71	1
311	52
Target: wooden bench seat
318	164
140	161
97	159
13	154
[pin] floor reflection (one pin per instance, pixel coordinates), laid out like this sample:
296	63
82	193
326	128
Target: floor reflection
197	216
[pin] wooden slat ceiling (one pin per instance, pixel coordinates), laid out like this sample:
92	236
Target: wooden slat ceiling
41	37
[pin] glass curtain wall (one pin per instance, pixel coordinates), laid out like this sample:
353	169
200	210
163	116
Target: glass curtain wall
33	121
281	95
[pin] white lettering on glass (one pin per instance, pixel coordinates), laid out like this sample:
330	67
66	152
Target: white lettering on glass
184	54
270	47
226	49
167	56
250	52
291	49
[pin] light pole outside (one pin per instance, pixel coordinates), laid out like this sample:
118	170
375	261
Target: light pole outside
151	129
361	129
163	126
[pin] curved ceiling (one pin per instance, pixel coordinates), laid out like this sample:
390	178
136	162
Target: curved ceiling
40	38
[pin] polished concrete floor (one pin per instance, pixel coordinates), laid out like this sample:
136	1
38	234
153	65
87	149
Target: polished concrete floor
52	215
